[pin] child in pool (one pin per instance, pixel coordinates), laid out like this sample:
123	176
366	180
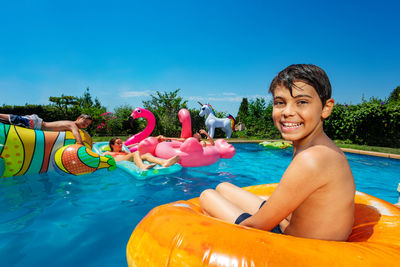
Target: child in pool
197	135
315	196
199	138
36	123
119	155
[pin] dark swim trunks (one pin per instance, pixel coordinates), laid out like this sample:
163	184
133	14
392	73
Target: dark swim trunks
246	215
27	121
242	217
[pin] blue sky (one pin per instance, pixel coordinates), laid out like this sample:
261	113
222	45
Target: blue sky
214	51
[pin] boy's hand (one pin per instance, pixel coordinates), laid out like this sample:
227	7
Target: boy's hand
160	138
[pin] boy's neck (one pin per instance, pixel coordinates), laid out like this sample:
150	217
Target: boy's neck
318	137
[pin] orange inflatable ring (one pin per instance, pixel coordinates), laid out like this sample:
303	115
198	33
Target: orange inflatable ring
178	234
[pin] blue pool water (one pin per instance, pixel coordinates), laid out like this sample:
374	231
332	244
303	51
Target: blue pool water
52	220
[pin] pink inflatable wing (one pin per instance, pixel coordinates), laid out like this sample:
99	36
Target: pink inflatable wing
151	122
148	145
226	150
166	150
184	118
191	152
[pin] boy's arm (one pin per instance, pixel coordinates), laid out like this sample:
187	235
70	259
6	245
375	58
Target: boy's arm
64	126
299	181
161	138
77	134
208	136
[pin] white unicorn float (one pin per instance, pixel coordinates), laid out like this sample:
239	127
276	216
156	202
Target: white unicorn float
226	124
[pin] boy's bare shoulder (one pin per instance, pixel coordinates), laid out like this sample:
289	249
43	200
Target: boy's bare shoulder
320	153
322	159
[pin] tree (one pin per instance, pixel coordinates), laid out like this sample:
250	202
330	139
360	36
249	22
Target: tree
196	120
86	101
64	104
258	119
94	108
165	107
243	112
70	107
395	95
257	108
122	123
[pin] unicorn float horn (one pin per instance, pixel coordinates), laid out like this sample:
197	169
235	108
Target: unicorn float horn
200	103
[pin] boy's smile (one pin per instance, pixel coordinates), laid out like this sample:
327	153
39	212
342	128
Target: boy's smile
297	116
289	126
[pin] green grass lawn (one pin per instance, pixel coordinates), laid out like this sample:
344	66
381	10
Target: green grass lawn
107	138
338	142
369	148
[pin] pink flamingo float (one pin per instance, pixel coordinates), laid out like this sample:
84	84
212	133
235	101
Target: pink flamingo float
151	122
184	118
191	152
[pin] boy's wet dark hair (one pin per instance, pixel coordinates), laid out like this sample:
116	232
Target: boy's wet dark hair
85	117
308	73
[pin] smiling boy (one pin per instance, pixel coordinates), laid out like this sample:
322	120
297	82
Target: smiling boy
315	196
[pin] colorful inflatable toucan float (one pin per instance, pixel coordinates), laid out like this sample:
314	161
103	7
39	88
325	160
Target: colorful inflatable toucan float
24	151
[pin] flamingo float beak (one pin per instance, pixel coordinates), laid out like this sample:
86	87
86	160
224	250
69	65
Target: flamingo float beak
136	113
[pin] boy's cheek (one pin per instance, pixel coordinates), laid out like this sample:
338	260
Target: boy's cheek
275	116
276	122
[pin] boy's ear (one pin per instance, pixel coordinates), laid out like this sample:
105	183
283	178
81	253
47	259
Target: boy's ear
327	109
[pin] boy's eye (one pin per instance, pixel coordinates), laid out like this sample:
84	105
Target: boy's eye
278	103
302	102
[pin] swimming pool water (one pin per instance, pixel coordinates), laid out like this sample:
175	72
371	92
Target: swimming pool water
52	220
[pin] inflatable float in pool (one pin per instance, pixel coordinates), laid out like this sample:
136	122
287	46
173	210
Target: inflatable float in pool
191	152
178	234
227	125
131	168
24	151
151	122
276	144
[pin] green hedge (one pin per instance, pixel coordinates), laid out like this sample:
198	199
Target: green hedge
373	123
